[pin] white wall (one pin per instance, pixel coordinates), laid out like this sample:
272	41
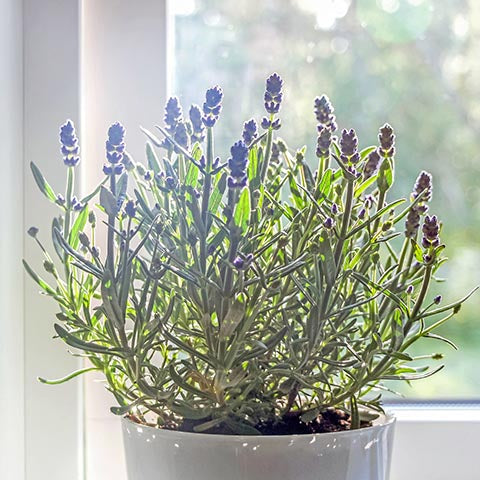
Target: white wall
124	59
53	441
11	240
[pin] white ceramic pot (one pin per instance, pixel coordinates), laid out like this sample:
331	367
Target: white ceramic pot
154	454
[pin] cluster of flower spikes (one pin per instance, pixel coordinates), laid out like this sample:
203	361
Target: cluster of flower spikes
273	99
69	144
212	106
323	110
115	147
412	222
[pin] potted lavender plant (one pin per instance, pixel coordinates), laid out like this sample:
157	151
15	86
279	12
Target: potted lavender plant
246	313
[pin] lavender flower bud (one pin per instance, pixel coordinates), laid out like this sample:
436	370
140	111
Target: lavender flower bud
60	200
362	213
265	124
324	113
349	146
212	106
49	267
33	232
96	252
431	230
410	290
198	134
334	209
83	238
324	141
329	223
92	219
237	164
273	93
437	299
243	263
130	209
238	263
249	131
386	137
70	148
276	124
371	165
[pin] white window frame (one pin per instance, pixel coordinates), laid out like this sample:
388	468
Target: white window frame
96	62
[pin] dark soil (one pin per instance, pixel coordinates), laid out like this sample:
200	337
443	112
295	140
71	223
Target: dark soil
330	420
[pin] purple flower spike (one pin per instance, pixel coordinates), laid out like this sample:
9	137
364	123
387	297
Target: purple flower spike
273	93
324	141
324	113
181	136
423	182
130	209
431	230
238	165
386	137
412	223
115	145
198	129
371	165
212	106
249	131
69	141
173	114
349	146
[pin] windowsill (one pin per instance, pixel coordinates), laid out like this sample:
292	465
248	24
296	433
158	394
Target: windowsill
436	413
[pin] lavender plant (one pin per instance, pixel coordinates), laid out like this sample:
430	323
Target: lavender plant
234	293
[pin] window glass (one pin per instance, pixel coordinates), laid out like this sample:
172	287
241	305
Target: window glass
413	63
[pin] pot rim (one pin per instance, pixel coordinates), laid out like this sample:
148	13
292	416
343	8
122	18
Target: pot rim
384	420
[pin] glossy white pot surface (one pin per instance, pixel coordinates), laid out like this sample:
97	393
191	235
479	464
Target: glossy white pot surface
154	454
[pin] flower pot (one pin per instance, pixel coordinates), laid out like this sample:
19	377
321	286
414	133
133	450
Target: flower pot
154	454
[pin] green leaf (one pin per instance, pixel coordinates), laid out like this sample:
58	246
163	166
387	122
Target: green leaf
75	342
43	285
242	210
325	186
77	227
152	159
385	175
111	305
233	317
43	185
108	201
217	193
68	377
122	185
417	251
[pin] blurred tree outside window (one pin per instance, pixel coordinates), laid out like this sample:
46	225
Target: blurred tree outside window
412	63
